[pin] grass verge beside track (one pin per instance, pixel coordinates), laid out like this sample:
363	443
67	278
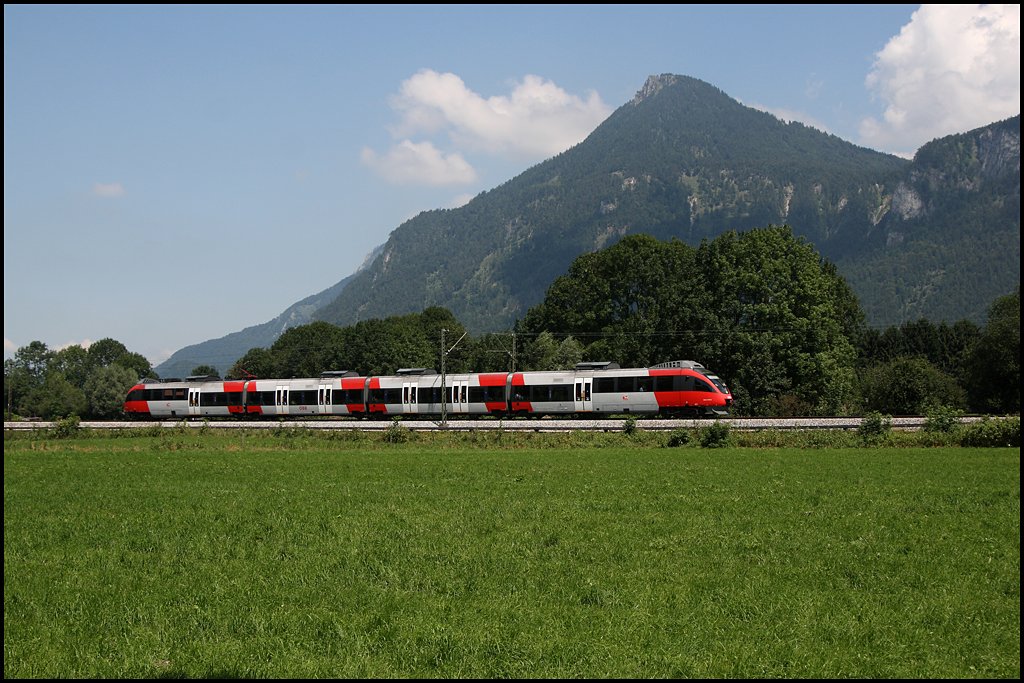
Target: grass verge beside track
286	556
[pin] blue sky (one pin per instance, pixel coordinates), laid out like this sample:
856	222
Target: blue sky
176	173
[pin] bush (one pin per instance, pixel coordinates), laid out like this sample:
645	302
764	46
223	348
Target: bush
66	428
942	419
629	425
874	427
715	435
998	433
396	433
678	437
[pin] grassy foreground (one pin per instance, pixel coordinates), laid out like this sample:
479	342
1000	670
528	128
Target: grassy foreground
205	555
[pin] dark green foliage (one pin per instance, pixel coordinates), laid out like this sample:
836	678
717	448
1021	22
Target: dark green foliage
907	386
942	419
75	381
371	347
943	345
874	427
678	437
759	308
308	350
105	390
990	433
204	370
715	435
256	362
396	432
629	426
994	363
65	428
54	397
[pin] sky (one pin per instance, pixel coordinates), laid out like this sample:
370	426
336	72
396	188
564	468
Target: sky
173	174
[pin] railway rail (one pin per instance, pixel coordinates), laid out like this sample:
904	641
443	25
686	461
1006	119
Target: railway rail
510	425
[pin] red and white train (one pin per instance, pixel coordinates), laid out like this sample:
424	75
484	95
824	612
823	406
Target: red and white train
591	389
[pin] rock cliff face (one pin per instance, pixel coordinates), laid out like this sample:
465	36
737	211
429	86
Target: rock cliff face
952	236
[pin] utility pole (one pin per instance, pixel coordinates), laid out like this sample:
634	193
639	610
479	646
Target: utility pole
444	386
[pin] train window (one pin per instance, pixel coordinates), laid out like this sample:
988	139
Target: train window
663	383
604	385
645	384
701	385
627	384
561	392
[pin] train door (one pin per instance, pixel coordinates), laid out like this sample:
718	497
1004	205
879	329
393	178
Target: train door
281	399
323	396
459	395
194	406
584	399
410	401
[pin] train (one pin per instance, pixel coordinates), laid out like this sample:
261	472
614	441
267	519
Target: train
593	389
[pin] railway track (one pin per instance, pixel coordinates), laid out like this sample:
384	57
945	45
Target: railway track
509	425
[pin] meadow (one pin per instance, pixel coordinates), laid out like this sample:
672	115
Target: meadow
196	555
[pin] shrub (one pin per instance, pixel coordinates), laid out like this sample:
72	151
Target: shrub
874	427
629	425
66	428
940	418
678	437
998	433
715	435
396	432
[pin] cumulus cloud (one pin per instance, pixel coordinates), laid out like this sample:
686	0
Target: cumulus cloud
953	68
536	120
419	163
108	190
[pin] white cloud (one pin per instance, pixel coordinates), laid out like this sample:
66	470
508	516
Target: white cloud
108	190
953	68
419	163
536	120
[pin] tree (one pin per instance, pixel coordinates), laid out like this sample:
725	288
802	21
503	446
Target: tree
56	397
106	351
760	308
909	386
994	378
256	362
138	364
73	362
205	370
106	388
308	350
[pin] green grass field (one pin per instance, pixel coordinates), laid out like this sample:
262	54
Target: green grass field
209	555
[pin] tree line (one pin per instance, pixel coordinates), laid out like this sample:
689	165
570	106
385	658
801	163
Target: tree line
761	309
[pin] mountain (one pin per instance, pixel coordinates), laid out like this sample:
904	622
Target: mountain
222	353
949	244
935	237
683	160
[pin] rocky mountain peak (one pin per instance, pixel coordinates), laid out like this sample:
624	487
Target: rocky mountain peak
653	85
